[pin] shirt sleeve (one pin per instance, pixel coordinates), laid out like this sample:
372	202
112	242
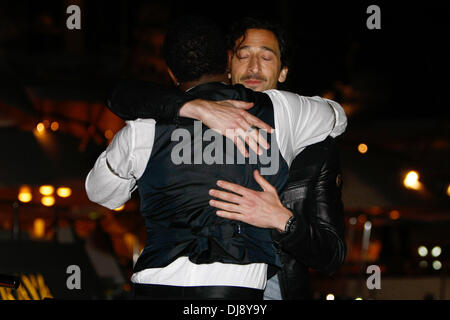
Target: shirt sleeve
133	99
114	176
301	121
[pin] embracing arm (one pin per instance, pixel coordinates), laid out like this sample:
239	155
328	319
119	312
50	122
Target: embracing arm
114	176
318	239
132	99
301	121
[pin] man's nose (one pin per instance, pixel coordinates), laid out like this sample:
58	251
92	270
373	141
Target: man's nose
253	65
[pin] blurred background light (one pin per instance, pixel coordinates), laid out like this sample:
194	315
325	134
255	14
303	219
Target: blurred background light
411	180
330	296
109	134
54	126
422	251
437	265
39	227
25	194
394	214
362	148
40	127
48	201
436	251
46	190
64	192
119	208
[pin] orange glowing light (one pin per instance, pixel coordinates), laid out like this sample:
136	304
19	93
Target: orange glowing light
448	190
48	201
64	192
120	208
40	127
54	126
39	227
394	214
411	180
362	148
25	194
109	134
46	190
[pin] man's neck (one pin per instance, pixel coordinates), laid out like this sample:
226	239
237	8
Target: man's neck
204	79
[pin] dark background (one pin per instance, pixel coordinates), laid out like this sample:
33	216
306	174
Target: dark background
393	84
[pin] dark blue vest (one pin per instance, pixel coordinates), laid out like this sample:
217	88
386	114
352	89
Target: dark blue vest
175	200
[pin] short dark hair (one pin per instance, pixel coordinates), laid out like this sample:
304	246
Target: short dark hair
239	28
194	46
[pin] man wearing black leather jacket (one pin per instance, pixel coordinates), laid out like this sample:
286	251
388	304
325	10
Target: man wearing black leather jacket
315	238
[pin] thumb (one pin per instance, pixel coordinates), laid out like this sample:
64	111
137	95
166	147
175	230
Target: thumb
265	185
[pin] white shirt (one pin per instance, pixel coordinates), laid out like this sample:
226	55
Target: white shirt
299	121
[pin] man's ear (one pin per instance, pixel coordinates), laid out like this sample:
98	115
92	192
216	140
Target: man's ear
283	74
172	76
230	56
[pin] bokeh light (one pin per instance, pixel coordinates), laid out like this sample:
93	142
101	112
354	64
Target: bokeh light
54	126
46	190
411	180
362	148
64	192
48	201
119	208
436	251
422	251
25	194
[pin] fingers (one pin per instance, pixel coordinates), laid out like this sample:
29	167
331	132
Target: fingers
256	122
253	139
223	195
252	144
240	146
239	104
238	120
258	139
233	187
224	205
251	119
263	182
230	215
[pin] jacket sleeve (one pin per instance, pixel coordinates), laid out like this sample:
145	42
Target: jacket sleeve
318	240
132	99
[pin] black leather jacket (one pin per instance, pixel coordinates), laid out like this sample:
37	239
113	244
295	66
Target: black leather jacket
313	192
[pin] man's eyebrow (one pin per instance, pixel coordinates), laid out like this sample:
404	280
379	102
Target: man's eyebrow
261	47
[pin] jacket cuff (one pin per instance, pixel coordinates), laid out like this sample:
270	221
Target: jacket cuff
284	241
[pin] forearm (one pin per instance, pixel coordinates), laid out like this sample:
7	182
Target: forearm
318	246
318	240
132	99
106	188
